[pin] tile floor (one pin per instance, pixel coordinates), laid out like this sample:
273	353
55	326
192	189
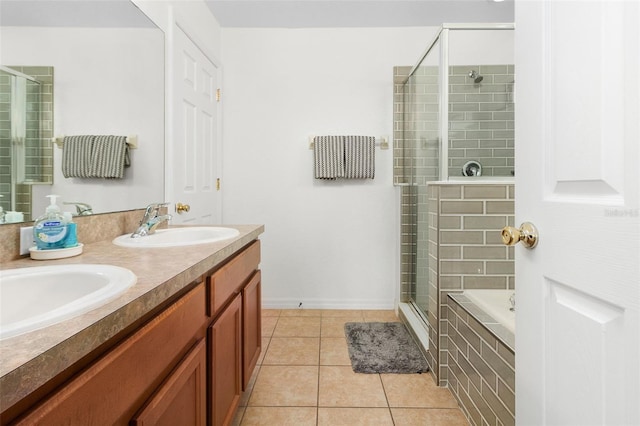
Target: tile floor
304	377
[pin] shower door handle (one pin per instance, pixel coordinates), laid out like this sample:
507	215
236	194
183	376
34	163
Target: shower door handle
527	233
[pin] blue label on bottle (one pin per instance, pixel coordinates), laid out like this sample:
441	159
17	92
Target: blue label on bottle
51	232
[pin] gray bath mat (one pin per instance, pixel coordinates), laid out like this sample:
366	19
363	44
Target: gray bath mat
383	347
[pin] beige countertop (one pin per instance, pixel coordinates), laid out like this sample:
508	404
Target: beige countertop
29	360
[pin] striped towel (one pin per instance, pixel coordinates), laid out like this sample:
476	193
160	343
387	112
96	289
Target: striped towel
91	156
328	153
77	154
110	155
360	157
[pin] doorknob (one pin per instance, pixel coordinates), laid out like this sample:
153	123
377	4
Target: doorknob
182	208
527	233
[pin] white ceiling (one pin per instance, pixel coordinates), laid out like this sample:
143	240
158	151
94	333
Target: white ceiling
357	13
264	13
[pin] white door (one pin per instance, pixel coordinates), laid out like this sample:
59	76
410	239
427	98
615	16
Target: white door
194	159
577	180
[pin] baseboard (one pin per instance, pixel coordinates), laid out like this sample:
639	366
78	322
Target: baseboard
327	304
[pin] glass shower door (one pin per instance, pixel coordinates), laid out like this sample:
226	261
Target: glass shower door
422	135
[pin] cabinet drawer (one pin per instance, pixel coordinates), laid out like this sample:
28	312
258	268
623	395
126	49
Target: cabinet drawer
111	390
229	280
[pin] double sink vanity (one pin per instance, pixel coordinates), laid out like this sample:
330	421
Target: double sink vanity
177	342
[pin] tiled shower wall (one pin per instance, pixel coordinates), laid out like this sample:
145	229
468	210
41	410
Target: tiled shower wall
466	252
39	131
481	127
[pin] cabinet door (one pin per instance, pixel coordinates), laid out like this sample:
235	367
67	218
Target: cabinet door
251	327
225	348
181	400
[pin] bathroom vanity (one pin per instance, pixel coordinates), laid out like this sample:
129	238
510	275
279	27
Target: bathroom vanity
179	346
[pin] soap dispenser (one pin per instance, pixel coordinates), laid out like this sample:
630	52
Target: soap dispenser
50	229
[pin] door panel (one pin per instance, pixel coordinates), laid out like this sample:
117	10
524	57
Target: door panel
578	291
195	161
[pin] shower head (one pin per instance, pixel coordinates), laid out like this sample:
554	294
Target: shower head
477	78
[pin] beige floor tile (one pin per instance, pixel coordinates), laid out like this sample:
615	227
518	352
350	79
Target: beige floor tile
416	391
301	312
293	351
380	316
297	327
281	416
268	325
334	326
428	416
289	386
349	313
271	312
354	417
334	351
341	387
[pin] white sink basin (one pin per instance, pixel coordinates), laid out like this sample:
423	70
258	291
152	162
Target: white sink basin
34	298
175	237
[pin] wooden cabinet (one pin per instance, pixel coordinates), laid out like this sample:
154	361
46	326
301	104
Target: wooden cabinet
113	388
188	365
251	327
181	400
235	337
225	346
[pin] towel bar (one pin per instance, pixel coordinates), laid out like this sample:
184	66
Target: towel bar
132	141
381	142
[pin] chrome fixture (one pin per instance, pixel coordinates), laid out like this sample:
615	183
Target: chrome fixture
82	209
512	301
477	78
151	220
472	168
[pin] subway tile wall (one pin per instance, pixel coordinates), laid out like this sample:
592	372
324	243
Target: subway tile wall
480	128
481	125
467	249
451	232
38	148
481	369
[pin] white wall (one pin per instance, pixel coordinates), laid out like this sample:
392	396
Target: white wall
106	81
327	244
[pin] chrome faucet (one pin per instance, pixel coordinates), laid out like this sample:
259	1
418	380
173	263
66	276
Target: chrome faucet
82	209
150	221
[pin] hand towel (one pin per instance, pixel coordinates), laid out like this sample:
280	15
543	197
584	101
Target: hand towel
359	157
328	153
77	154
110	155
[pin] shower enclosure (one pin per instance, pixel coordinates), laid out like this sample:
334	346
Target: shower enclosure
25	152
454	121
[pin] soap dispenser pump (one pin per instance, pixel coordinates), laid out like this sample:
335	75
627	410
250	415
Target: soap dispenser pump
50	229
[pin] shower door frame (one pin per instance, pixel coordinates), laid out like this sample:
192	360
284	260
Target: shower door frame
411	311
443	80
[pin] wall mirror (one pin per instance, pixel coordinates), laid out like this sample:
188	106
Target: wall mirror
107	63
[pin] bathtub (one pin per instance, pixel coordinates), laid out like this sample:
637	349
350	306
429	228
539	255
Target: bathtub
481	353
495	303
